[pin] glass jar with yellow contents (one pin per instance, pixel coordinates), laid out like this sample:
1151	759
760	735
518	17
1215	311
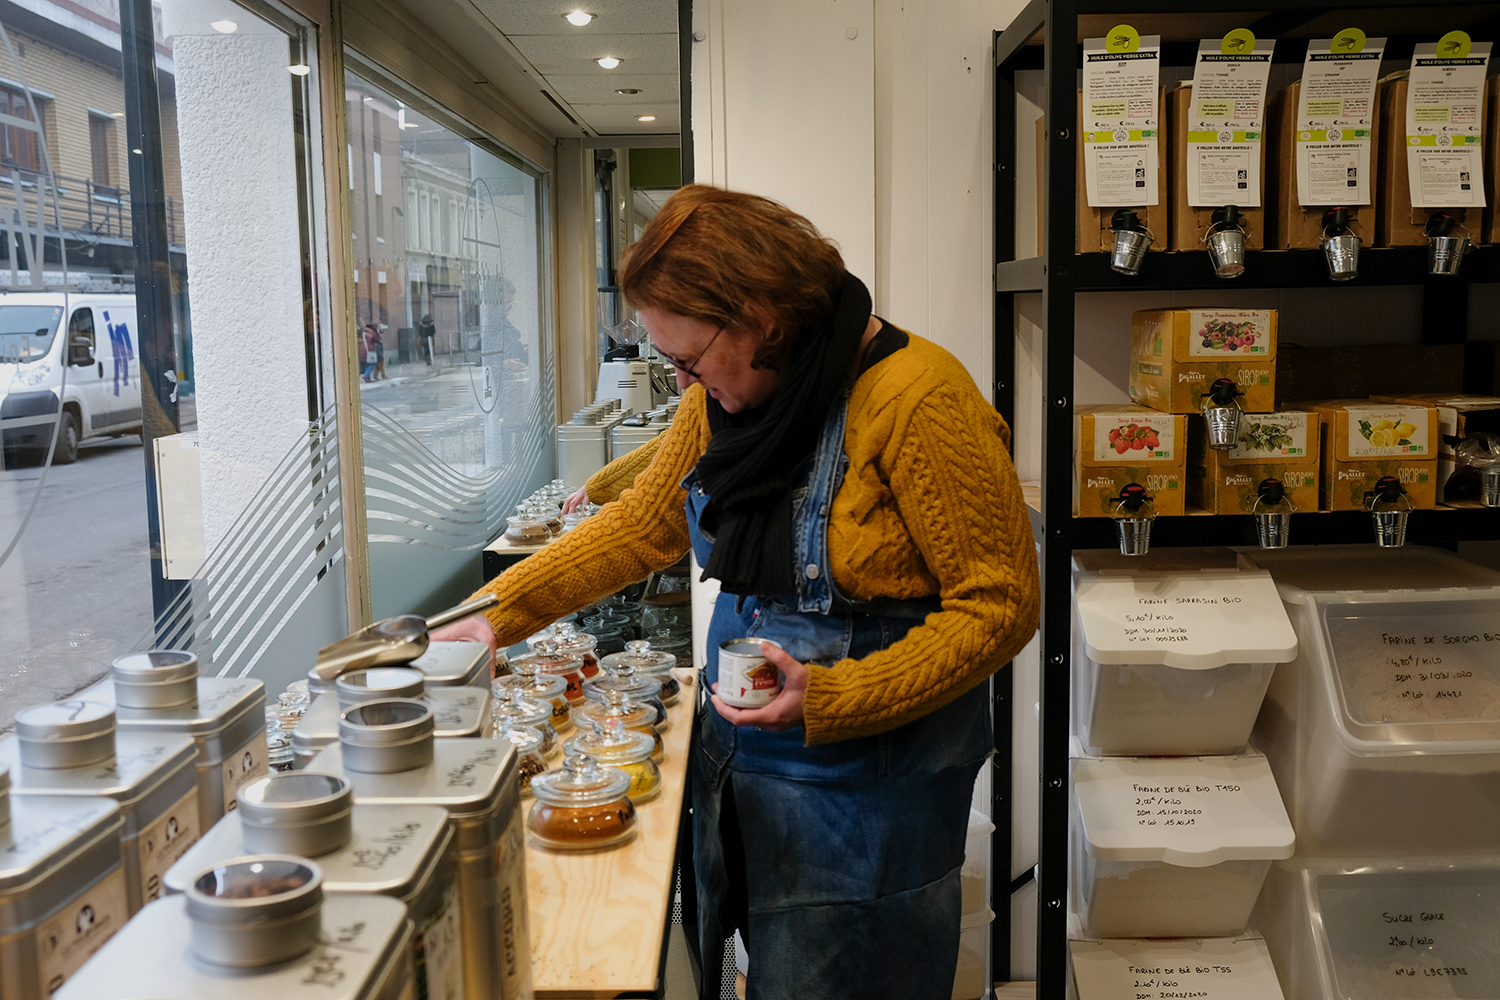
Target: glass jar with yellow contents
633	715
618	747
528	677
581	807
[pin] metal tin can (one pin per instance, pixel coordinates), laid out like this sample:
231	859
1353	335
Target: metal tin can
151	777
253	911
363	952
157	678
457	712
747	679
67	734
475	780
62	887
400	851
456	664
225	717
379	682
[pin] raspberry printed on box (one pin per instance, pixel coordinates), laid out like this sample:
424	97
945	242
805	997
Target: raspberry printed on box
1115	445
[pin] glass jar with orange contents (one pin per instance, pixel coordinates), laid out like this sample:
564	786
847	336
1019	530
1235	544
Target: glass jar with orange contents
547	656
529	679
634	716
581	807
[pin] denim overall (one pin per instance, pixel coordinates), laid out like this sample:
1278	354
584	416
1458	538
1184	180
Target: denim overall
839	863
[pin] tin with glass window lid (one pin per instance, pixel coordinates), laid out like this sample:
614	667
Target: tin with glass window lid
457	711
648	661
581	807
399	851
390	758
72	748
232	939
62	887
160	691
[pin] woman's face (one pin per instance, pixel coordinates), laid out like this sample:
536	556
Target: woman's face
722	360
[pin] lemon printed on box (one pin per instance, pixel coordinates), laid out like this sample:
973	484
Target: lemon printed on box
1387	433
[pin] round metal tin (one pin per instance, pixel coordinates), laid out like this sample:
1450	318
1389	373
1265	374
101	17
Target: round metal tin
387	734
66	734
358	686
302	813
255	911
746	678
157	678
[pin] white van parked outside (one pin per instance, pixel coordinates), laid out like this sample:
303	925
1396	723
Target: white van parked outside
73	350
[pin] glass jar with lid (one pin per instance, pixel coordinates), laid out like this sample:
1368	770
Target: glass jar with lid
672	611
526	529
609	632
618	707
548	656
645	660
548	515
512	705
621	606
581	807
574	641
527	677
617	746
528	744
680	646
622	677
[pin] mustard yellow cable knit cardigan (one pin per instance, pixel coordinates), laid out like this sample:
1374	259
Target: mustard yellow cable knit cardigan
930	505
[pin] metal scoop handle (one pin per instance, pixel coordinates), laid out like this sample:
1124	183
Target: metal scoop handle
464	610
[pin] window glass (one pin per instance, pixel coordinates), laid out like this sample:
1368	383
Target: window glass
162	488
457	396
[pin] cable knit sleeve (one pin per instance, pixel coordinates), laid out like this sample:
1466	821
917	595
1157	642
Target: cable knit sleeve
959	497
644	530
606	485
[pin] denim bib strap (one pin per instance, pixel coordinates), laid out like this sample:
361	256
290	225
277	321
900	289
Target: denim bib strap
816	590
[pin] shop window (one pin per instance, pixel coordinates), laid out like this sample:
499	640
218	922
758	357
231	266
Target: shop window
20	147
456	437
101	145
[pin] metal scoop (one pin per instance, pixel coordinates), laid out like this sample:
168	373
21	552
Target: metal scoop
393	640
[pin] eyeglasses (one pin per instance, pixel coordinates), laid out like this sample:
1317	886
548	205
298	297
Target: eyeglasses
684	366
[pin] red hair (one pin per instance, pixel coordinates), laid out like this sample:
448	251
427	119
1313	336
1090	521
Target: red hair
734	260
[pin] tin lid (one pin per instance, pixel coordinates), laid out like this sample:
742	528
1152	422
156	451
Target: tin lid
454	663
256	888
222	706
386	722
581	781
641	657
512	703
612	743
617	706
298	798
41	728
379	682
155	666
361	947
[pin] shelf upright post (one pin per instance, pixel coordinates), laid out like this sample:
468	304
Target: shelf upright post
1060	210
1002	684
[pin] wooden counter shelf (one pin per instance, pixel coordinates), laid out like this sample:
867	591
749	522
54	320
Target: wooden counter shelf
599	920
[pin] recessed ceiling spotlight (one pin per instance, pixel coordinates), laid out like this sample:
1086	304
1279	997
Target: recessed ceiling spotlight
628	91
608	62
300	69
224	27
579	18
645	118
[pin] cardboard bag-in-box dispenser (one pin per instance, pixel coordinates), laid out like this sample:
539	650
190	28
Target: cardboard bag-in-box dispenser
1282	446
1177	354
1118	444
1365	440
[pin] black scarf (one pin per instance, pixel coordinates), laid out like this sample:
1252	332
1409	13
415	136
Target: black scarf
749	470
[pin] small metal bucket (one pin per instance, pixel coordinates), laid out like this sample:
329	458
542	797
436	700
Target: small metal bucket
1134	529
1226	251
1446	253
255	911
1273	528
1342	253
1130	250
1390	527
1223	426
1489	481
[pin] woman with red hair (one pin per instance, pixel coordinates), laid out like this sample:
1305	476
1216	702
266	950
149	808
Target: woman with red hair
852	492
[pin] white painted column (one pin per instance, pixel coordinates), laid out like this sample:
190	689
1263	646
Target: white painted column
235	130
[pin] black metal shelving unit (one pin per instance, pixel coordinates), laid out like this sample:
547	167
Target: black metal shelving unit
1047	36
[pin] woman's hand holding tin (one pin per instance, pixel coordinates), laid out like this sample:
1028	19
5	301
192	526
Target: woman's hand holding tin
785	710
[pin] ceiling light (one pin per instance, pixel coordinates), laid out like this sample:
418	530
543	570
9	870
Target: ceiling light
117	114
608	62
224	27
579	18
645	118
300	69
628	91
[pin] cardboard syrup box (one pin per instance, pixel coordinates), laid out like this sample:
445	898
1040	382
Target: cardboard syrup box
1397	223
1176	354
1190	223
1363	440
1458	416
1280	446
1115	445
1290	225
1094	234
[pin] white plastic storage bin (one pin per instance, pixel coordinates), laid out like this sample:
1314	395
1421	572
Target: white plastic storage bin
1173	847
971	980
1384	734
1371	930
1236	968
975	875
1174	662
